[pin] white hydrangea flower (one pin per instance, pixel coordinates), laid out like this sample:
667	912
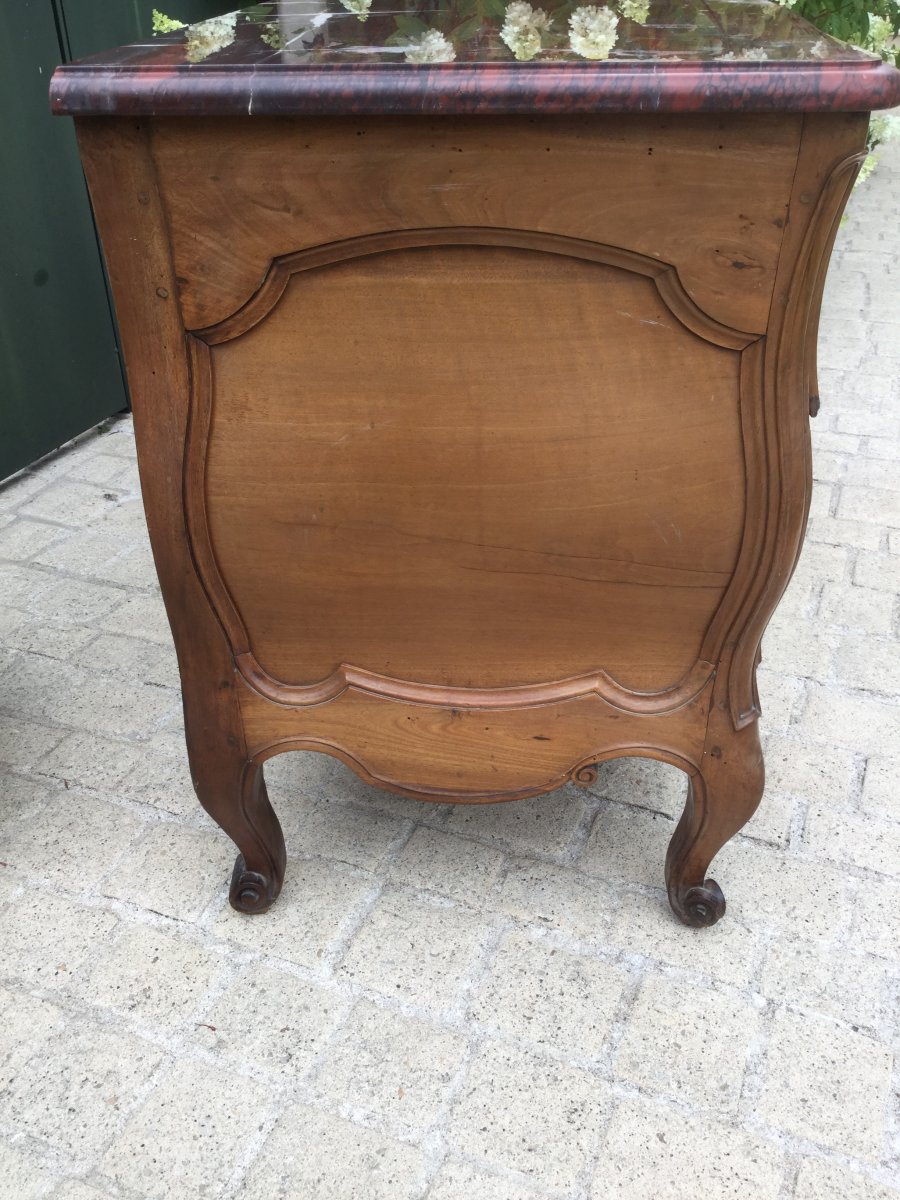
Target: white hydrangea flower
881	34
359	7
522	29
430	47
271	34
592	31
754	55
870	162
208	37
635	10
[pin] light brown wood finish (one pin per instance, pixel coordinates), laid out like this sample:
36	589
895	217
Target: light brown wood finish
456	514
474	754
474	452
237	197
228	783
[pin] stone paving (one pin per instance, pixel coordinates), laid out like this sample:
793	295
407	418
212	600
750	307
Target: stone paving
455	1003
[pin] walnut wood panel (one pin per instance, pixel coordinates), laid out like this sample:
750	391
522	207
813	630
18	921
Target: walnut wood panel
478	755
282	395
236	200
456	475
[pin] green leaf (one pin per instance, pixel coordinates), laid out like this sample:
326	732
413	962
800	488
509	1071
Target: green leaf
409	26
468	29
164	24
258	13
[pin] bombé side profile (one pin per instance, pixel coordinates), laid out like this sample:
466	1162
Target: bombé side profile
474	435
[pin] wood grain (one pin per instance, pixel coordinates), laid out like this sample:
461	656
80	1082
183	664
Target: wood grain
440	753
473	453
563	464
831	153
229	785
240	198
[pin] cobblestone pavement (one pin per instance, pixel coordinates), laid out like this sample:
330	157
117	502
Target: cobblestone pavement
455	1003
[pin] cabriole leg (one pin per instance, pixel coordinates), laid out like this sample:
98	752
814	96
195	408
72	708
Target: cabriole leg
722	797
233	792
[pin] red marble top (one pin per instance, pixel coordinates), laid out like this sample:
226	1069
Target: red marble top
472	56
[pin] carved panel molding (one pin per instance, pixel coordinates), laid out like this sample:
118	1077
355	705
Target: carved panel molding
664	278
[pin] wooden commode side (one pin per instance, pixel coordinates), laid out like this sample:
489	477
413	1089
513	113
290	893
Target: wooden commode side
475	446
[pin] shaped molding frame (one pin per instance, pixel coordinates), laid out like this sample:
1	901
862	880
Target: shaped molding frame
782	442
665	278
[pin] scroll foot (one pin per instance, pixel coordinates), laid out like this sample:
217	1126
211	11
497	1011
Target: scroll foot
233	792
699	905
723	795
250	892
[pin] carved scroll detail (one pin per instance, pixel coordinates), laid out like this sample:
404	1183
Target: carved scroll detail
584	776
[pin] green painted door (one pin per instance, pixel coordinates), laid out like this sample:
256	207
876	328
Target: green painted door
60	371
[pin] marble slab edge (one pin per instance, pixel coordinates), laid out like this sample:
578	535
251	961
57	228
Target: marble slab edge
348	90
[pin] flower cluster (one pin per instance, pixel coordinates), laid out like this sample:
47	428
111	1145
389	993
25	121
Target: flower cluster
164	24
881	36
522	29
635	10
430	47
207	37
271	34
526	30
359	7
592	31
